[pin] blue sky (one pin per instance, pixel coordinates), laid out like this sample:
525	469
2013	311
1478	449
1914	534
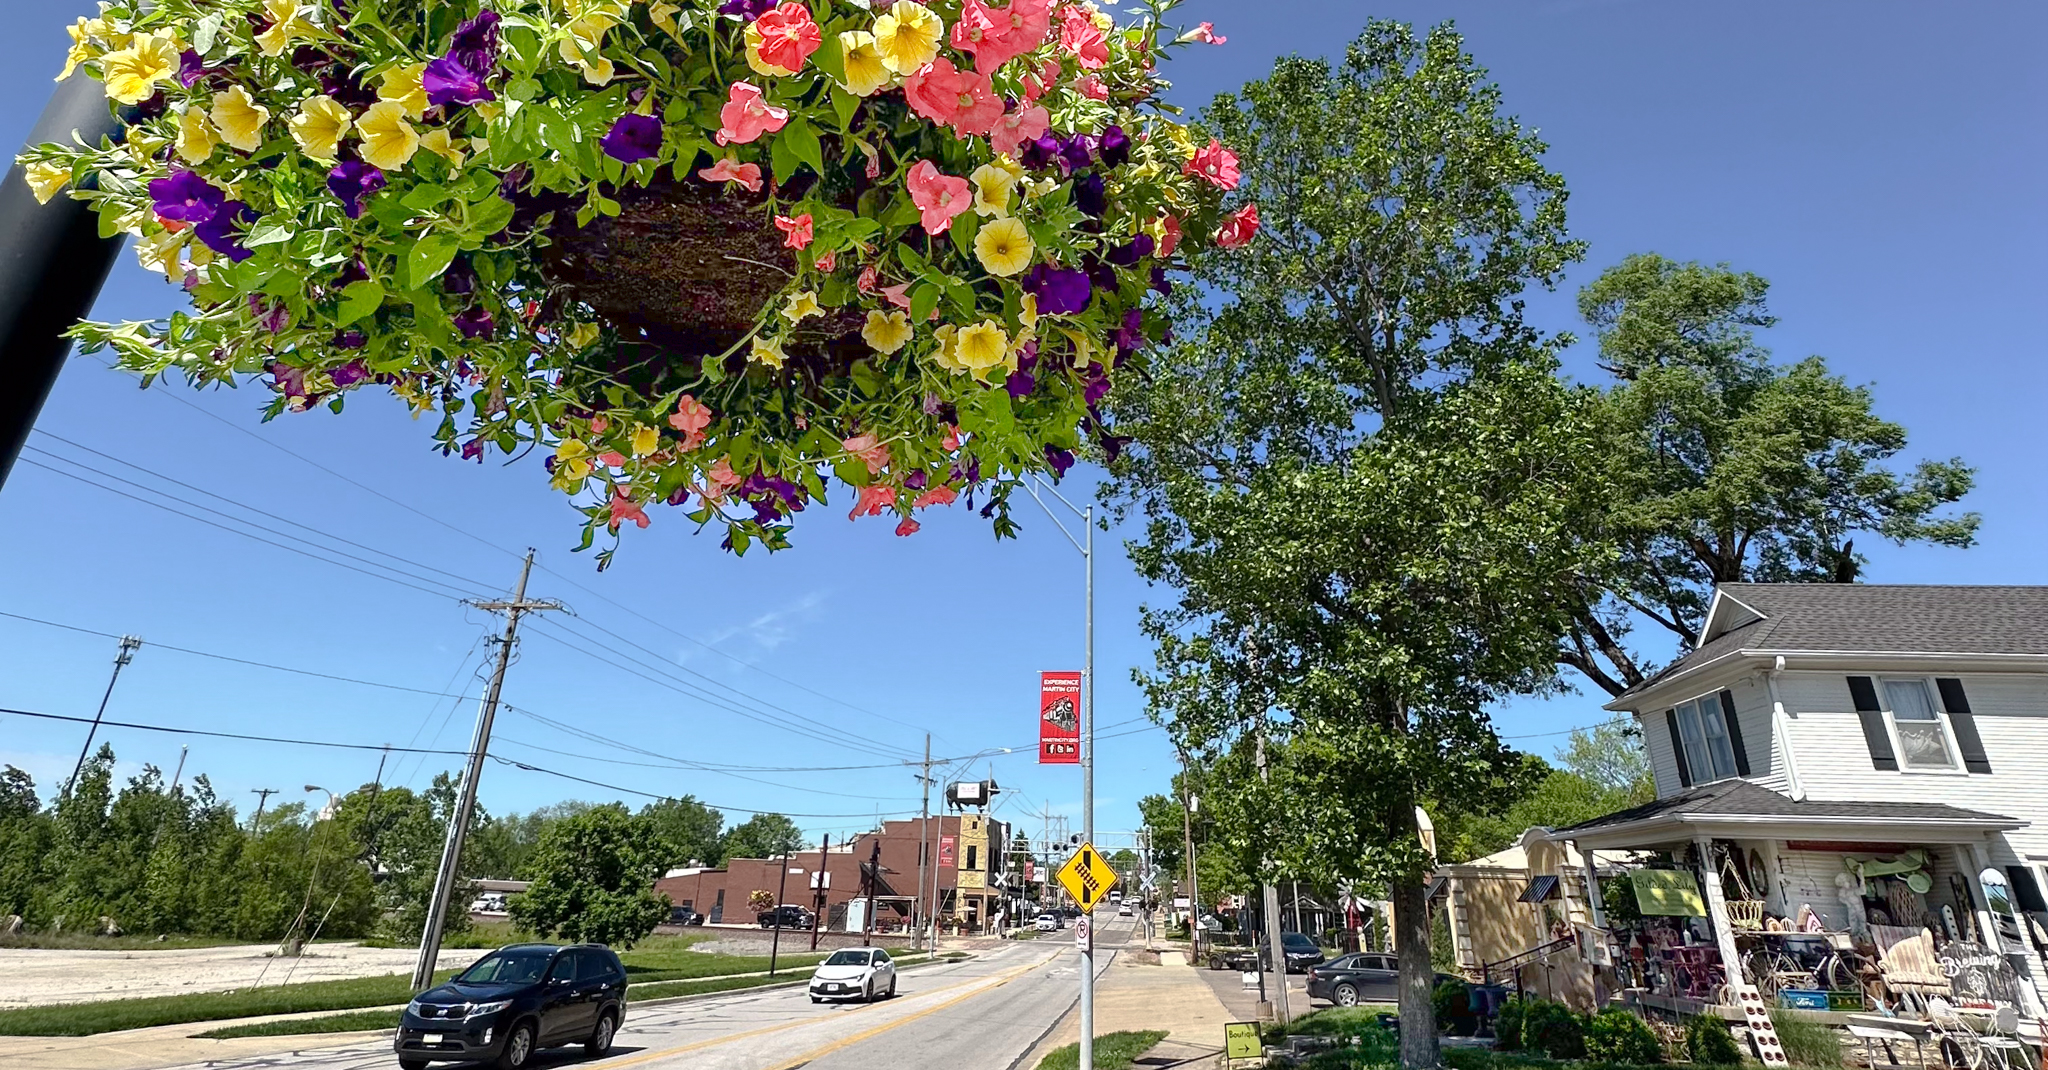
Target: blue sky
1879	162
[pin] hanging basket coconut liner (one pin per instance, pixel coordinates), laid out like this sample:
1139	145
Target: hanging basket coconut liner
706	253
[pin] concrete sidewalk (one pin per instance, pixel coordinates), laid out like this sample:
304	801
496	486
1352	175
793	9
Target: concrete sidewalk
1134	993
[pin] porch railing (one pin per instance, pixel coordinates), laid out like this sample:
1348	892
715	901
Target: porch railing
1513	963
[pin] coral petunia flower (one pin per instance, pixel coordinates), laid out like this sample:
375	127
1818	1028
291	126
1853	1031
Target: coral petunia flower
1080	35
1003	246
907	36
1239	227
871	501
1040	82
907	527
1091	86
1169	235
747	115
869	277
691	417
865	71
239	119
131	74
1205	34
1215	165
938	196
729	169
886	332
788	36
796	233
1018	127
996	35
318	128
388	140
939	495
870	451
963	100
624	509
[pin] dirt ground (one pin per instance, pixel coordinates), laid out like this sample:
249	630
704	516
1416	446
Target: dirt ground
31	978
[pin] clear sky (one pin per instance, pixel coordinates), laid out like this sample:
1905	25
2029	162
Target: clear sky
1879	162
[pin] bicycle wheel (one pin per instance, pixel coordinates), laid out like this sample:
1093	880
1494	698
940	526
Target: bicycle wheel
1835	975
1759	969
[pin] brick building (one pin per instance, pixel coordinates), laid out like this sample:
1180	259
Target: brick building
973	878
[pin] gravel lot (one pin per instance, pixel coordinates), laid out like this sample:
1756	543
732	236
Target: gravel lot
30	978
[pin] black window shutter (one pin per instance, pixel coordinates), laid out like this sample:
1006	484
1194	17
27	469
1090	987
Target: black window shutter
1734	732
1678	748
1965	725
1875	736
2026	894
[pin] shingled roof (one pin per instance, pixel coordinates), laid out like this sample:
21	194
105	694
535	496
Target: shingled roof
1740	798
1786	618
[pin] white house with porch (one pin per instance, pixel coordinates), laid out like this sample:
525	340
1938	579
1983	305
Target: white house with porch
1850	778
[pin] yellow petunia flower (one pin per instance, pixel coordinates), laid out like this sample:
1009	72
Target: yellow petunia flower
83	44
159	253
388	140
865	71
1003	246
584	46
768	351
1029	314
572	464
46	179
754	60
886	332
440	144
582	335
239	119
285	27
981	346
907	36
402	84
131	74
1039	187
663	15
802	307
195	136
645	440
993	188
944	353
319	127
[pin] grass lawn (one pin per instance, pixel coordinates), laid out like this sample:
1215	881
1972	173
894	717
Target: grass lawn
1113	1051
1332	1022
88	942
351	1022
105	1016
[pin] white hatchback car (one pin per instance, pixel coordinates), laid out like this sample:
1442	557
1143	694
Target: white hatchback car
1047	922
862	973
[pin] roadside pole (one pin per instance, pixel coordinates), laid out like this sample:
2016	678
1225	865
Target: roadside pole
924	820
1187	832
823	893
1088	795
874	877
1270	907
480	745
781	893
122	657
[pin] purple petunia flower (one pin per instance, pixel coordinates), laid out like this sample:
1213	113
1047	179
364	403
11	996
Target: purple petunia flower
476	44
1129	253
916	480
475	322
747	10
1060	460
272	316
965	473
1040	152
290	381
473	450
1061	291
1077	151
351	339
192	68
350	374
1112	446
1022	382
1116	147
218	232
1096	385
1131	336
185	197
346	87
1160	283
460	278
353	181
1089	196
633	138
449	82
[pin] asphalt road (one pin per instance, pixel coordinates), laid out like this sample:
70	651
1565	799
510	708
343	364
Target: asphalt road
985	1013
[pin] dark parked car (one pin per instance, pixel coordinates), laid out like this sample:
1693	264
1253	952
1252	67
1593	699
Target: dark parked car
785	917
1301	952
515	1001
1360	977
684	916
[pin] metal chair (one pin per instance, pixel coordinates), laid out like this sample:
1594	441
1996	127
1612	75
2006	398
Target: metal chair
2004	1036
1885	1037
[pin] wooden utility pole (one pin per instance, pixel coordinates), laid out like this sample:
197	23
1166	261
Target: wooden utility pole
480	744
122	657
824	883
262	796
924	820
781	895
874	877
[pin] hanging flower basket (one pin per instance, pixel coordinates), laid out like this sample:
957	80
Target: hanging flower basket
708	254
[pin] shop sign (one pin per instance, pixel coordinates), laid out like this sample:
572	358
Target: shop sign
1668	892
1979	976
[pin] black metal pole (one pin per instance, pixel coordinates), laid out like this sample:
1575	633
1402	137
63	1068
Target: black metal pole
781	893
52	264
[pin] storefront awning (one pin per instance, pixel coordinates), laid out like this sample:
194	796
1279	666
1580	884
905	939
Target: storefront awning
1738	809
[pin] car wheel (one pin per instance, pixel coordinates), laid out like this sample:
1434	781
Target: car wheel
867	993
600	1038
518	1047
815	999
892	988
412	1064
1345	996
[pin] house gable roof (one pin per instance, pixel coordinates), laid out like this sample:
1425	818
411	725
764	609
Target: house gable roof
1740	801
1790	618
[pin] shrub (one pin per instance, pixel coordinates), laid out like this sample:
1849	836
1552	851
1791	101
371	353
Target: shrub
1618	1036
1708	1041
1507	1025
1554	1029
1452	1001
1808	1043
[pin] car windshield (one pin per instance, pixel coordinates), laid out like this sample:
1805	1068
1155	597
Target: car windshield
1296	940
510	966
848	958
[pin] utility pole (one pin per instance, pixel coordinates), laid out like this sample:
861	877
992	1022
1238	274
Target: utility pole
874	877
480	744
1270	907
1188	802
262	796
52	263
924	820
1088	793
180	774
781	893
936	870
122	656
824	886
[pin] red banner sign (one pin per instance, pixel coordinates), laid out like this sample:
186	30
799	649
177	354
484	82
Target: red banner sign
1030	874
945	850
1059	718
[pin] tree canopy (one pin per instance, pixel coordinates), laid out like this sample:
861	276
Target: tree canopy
763	836
594	879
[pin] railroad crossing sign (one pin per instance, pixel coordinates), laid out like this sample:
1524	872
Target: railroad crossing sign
1087	877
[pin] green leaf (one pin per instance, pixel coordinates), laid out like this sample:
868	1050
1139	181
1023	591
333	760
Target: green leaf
269	231
358	299
844	104
205	31
913	261
829	59
430	256
425	197
490	216
963	230
782	157
803	139
923	298
962	296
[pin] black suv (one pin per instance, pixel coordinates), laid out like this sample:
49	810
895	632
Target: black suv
515	1001
785	917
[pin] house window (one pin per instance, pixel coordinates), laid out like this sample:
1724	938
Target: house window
1708	752
971	861
1923	741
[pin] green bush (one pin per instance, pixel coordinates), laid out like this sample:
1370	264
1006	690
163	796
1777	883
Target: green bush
1807	1043
1618	1036
1507	1025
1452	1001
1708	1041
1554	1029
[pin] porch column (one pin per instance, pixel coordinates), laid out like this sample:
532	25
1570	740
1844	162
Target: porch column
1593	901
1717	913
1987	926
2029	953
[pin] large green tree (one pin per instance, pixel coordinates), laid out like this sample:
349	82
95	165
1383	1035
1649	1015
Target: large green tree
763	836
1729	467
1358	471
690	828
593	879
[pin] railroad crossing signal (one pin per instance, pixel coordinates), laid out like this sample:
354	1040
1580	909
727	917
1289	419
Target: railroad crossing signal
1087	877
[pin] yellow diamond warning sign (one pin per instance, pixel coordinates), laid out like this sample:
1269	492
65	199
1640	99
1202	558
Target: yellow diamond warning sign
1087	877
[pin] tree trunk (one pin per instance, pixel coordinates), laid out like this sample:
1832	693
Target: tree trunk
1417	980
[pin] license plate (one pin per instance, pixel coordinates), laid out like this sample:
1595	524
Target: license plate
831	988
431	1038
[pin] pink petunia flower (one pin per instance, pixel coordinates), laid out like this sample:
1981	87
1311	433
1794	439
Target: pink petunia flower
996	35
612	459
1169	230
828	261
1040	82
624	509
872	499
870	276
1017	127
949	96
908	527
897	295
938	196
747	115
1239	227
796	233
939	495
1214	164
952	441
1080	35
731	170
869	450
1091	87
788	36
1206	34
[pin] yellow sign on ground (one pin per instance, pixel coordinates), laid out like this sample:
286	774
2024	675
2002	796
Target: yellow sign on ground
1241	1040
1087	877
